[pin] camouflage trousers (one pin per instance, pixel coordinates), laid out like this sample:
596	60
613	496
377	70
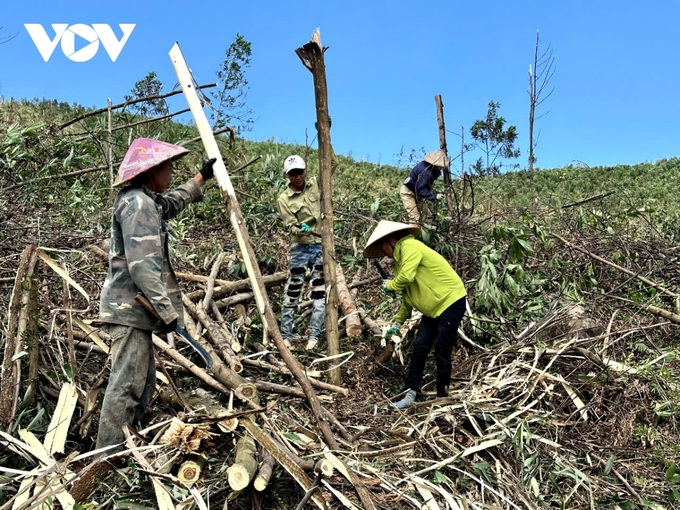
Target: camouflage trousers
301	258
131	383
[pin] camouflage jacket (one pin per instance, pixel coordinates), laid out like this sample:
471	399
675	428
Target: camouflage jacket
138	257
304	206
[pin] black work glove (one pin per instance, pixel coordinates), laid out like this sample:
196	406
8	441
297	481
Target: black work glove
169	327
207	170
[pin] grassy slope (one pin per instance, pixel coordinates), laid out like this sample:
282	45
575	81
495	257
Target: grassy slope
635	227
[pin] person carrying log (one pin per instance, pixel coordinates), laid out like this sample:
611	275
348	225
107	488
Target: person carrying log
429	284
300	209
416	193
139	262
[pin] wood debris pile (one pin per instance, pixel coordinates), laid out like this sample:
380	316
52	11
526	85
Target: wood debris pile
550	415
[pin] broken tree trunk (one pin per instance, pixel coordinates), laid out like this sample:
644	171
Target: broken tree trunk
311	55
442	146
347	305
248	253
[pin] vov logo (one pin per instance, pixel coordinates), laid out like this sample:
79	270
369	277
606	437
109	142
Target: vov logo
92	35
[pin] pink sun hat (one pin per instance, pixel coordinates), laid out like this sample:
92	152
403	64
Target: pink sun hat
144	154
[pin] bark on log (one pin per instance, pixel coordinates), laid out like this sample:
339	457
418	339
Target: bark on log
242	321
370	323
227	287
312	57
224	303
353	327
222	324
264	474
244	468
315	382
28	325
215	333
190	470
213	382
210	285
9	376
88	478
285	460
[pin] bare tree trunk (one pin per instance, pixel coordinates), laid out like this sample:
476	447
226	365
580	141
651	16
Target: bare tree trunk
311	55
539	76
442	146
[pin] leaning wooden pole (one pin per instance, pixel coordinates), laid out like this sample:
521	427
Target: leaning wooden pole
238	223
442	146
311	55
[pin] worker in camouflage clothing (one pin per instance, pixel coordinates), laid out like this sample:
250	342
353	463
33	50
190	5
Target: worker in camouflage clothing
139	263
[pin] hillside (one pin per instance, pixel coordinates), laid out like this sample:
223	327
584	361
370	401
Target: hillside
565	385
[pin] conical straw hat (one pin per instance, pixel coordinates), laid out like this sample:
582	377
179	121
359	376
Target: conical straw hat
144	154
384	229
437	158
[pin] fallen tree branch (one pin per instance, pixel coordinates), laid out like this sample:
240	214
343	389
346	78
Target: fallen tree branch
644	280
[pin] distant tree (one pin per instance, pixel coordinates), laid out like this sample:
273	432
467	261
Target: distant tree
148	87
497	143
540	74
230	99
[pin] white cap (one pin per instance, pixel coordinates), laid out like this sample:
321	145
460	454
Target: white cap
294	162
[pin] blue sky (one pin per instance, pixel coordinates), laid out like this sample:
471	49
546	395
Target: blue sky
615	98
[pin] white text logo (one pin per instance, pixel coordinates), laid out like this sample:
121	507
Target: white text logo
91	35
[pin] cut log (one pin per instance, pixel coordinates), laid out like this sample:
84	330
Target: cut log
226	332
240	474
264	474
242	321
349	309
190	470
285	460
235	299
